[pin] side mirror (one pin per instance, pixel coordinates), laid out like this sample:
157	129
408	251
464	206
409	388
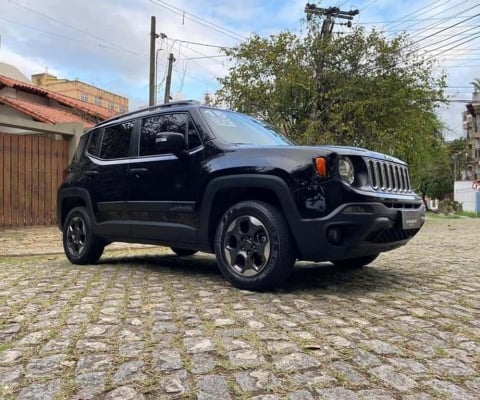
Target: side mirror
170	142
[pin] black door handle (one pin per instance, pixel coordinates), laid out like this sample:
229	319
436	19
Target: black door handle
91	173
138	171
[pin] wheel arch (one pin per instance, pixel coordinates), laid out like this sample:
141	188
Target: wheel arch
224	192
68	199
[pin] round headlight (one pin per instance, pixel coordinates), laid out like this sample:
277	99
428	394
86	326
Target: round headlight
346	170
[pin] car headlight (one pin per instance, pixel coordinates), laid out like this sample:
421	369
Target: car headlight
346	170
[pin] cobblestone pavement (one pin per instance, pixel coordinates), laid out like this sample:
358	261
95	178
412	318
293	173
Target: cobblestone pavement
144	324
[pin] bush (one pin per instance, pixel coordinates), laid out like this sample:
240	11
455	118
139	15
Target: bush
447	207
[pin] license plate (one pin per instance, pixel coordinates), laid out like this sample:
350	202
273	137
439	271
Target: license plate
412	219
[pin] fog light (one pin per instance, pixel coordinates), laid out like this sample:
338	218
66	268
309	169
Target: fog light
334	236
357	210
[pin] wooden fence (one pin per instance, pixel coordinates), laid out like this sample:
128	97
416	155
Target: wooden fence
31	169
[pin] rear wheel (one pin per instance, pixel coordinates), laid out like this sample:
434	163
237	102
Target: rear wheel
81	245
183	252
355	262
253	246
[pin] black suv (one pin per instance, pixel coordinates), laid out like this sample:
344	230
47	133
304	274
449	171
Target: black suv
199	178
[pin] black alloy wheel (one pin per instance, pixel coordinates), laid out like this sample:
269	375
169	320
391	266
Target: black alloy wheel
80	244
253	246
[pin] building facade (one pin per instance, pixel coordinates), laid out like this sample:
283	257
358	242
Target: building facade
82	91
471	130
39	131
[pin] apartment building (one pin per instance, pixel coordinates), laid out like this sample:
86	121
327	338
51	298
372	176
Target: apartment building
82	91
471	129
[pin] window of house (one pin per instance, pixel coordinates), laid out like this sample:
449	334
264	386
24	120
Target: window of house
98	101
111	106
116	141
83	96
160	123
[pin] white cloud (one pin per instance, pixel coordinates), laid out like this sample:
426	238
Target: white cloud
106	42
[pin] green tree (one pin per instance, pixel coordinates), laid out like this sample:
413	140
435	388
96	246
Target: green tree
460	156
435	178
356	89
476	85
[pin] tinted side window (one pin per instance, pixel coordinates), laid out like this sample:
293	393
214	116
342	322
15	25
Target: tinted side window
93	144
193	136
116	141
80	148
160	123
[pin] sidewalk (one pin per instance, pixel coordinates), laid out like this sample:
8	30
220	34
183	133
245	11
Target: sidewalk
40	240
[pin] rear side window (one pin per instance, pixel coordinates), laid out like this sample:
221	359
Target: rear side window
80	148
116	141
94	142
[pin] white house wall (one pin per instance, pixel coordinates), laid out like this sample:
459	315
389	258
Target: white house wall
463	193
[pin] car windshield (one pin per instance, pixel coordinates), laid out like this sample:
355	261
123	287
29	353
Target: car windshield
236	128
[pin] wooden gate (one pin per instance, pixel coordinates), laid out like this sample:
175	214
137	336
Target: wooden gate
31	169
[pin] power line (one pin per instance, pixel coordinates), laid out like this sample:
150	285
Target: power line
74	28
447	28
431	16
404	18
447	42
466	41
41	30
204	44
198	20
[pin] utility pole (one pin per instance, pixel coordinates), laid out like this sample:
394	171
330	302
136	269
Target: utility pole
168	81
327	27
330	14
153	37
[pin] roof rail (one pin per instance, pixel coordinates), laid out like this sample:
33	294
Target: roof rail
160	106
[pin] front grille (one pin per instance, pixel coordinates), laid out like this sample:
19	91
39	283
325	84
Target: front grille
391	235
388	177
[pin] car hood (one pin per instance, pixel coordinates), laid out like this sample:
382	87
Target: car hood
313	151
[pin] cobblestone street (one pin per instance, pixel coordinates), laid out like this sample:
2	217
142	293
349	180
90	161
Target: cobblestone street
145	324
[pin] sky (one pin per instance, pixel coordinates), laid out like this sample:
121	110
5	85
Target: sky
106	42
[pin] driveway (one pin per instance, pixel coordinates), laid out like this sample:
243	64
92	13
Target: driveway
145	324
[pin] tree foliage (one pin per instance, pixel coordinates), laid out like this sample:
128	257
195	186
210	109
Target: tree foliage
358	89
476	85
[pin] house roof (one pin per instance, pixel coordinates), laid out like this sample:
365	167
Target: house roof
43	113
91	109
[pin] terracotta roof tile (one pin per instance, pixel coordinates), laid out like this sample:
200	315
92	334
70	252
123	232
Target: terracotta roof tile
43	113
92	109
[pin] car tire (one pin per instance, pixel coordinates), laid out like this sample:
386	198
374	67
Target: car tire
80	244
253	246
355	262
183	252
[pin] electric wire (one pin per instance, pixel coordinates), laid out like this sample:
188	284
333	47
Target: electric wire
84	32
198	20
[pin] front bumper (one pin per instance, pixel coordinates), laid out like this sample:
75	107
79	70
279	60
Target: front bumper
356	230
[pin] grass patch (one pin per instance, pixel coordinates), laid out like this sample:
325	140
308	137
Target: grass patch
469	214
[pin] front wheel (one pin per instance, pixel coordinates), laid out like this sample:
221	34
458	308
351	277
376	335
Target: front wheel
355	262
81	245
253	246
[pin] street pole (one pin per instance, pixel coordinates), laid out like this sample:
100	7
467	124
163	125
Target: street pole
153	37
168	81
327	27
